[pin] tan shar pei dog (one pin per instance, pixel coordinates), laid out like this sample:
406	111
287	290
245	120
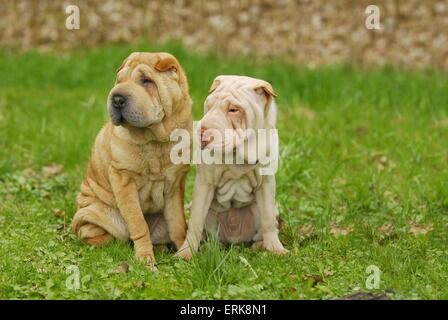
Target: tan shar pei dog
132	190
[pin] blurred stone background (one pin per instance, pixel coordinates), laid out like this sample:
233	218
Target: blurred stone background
414	33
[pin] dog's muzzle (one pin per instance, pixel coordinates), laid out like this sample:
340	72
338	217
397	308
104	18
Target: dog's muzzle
117	103
122	109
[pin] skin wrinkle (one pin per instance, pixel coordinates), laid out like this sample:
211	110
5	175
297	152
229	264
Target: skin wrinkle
145	71
224	100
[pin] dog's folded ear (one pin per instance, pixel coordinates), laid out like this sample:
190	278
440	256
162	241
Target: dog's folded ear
168	63
214	85
266	89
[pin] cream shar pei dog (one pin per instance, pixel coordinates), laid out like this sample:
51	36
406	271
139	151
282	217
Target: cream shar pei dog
234	201
132	190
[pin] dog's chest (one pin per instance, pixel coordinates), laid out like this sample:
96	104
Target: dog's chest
235	189
158	179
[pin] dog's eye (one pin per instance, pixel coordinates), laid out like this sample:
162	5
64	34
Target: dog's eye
146	81
233	110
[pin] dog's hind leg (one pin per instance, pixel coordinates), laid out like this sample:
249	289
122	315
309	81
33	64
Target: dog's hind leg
94	235
98	224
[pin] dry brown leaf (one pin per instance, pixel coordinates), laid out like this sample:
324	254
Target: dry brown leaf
313	279
124	267
328	273
58	213
361	130
306	230
140	284
441	123
28	173
292	276
307	113
339	230
62	228
385	229
52	170
382	162
420	229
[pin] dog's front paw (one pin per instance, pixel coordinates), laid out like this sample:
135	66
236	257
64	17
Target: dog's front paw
275	246
148	260
184	253
279	250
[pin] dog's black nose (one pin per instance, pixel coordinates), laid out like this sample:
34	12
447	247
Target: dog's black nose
118	100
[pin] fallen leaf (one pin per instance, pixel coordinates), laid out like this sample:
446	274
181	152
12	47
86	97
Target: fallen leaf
328	273
389	195
58	213
306	113
306	230
385	229
313	279
441	123
339	230
29	173
124	267
361	130
382	161
140	284
420	229
52	170
292	276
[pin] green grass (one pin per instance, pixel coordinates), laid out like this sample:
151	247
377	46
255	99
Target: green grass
358	147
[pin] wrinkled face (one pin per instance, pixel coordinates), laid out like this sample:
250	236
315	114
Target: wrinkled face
234	105
146	89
